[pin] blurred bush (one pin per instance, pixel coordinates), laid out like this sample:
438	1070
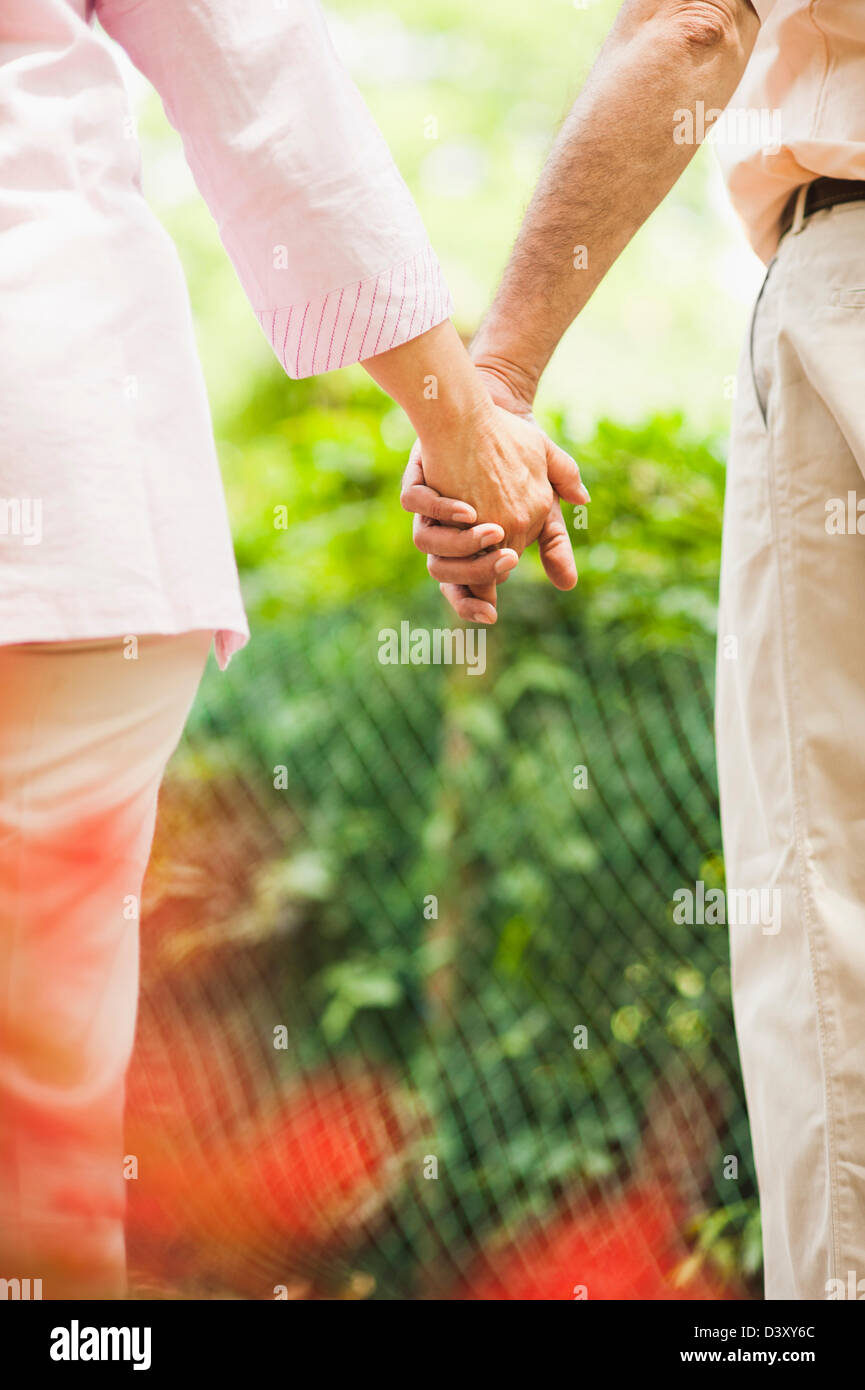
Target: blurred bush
407	783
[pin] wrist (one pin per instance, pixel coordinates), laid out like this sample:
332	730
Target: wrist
455	401
509	383
432	377
461	412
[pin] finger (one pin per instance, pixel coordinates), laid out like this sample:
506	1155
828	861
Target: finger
467	606
450	540
475	570
416	496
426	502
564	475
557	556
485	592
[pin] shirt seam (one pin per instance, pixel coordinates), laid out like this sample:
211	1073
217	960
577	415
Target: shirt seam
827	68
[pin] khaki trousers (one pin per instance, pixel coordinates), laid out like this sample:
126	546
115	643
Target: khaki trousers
85	734
791	750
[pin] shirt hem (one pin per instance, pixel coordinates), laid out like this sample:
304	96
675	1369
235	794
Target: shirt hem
228	637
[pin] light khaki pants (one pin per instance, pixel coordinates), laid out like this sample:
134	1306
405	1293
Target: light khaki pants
85	734
791	751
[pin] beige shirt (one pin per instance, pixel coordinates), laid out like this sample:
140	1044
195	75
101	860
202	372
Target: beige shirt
804	95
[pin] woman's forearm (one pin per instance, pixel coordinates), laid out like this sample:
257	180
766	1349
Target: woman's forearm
434	380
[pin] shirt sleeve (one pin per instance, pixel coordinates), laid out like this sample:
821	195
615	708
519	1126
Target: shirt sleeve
310	206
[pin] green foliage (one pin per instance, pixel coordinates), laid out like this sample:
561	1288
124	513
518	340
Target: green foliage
554	903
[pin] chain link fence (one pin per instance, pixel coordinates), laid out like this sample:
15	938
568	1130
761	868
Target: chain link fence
417	1019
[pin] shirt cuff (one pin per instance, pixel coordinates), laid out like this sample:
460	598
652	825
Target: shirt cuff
359	320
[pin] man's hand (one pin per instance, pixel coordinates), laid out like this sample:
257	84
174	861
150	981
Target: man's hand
512	475
505	472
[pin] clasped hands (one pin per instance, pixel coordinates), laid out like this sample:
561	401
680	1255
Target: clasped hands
483	489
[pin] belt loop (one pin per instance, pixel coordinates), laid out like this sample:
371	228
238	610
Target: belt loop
799	210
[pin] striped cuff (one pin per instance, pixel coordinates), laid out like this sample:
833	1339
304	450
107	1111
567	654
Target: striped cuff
359	320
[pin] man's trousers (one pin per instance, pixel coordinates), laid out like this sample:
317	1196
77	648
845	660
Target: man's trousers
791	750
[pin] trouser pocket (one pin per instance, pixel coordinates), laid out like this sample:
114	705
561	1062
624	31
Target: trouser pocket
760	396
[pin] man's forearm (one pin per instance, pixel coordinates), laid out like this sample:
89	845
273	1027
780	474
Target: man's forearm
613	162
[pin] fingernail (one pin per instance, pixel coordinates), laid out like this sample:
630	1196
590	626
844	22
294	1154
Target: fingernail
490	534
505	564
463	514
586	493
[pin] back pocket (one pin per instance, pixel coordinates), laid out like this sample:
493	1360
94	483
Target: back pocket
848	299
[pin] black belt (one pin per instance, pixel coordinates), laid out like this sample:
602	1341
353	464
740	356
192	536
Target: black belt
823	193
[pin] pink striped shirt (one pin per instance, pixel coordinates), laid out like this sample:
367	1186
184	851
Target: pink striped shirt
112	514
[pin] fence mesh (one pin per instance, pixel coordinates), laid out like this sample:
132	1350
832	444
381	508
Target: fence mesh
417	1019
